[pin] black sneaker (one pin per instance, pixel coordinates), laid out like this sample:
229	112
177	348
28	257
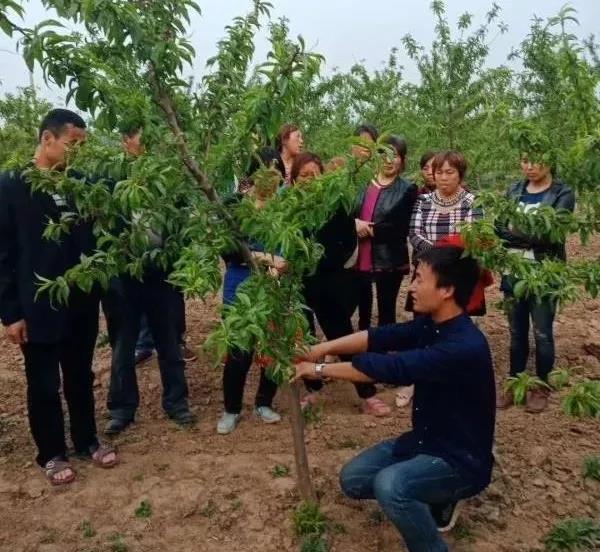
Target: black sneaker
445	515
142	356
184	418
116	426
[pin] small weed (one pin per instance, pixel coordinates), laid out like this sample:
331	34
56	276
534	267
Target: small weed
349	443
6	424
583	400
314	543
591	468
462	532
338	528
309	520
49	537
280	470
236	504
559	378
87	529
313	414
209	510
7	430
117	544
376	517
102	340
520	385
144	510
573	535
139	477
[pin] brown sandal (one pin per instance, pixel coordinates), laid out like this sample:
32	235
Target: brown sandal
55	466
100	453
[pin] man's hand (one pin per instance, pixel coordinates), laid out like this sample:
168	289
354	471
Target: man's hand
364	229
314	354
305	370
17	332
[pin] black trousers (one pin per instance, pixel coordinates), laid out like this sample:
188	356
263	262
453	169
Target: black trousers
333	296
44	363
387	285
145	340
124	305
234	380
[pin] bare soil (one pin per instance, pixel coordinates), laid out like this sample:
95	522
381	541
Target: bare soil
212	493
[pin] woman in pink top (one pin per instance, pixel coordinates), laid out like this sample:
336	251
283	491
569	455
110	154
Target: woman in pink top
382	227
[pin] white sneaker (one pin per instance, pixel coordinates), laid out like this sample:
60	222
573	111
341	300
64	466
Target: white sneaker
227	423
267	414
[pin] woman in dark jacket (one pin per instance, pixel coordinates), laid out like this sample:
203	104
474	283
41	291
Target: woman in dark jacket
331	291
539	188
382	225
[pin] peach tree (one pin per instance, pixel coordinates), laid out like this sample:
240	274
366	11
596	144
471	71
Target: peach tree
126	67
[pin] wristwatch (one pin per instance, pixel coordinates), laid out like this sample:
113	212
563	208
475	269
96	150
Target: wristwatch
319	369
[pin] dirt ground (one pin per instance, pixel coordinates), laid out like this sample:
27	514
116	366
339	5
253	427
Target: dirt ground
212	493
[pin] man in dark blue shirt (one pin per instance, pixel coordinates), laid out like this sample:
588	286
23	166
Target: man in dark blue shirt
419	477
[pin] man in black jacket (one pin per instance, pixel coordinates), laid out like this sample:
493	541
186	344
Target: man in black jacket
52	337
539	189
126	301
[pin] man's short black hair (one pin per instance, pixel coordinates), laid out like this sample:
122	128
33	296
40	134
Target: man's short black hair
366	128
57	119
453	268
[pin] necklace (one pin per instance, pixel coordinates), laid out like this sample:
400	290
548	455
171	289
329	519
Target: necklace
447	201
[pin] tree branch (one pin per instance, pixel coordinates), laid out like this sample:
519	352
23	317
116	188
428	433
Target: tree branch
164	101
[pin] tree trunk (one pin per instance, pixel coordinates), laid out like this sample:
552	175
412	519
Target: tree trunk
305	486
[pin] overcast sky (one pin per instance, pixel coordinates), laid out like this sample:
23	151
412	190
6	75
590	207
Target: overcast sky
344	31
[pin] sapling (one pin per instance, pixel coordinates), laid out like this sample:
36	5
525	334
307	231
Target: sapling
583	400
591	467
573	535
559	378
522	384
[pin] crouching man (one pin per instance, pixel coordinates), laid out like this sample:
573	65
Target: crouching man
418	478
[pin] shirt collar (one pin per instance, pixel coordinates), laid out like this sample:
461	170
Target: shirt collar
447	325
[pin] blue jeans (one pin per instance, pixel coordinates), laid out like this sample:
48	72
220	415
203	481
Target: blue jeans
542	315
404	489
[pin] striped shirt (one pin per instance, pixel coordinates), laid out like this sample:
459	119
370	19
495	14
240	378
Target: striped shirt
432	219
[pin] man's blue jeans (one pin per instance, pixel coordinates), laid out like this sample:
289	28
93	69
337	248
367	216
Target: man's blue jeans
404	490
542	315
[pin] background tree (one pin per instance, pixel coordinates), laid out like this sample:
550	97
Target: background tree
20	116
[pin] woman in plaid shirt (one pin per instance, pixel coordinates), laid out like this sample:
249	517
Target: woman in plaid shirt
437	215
